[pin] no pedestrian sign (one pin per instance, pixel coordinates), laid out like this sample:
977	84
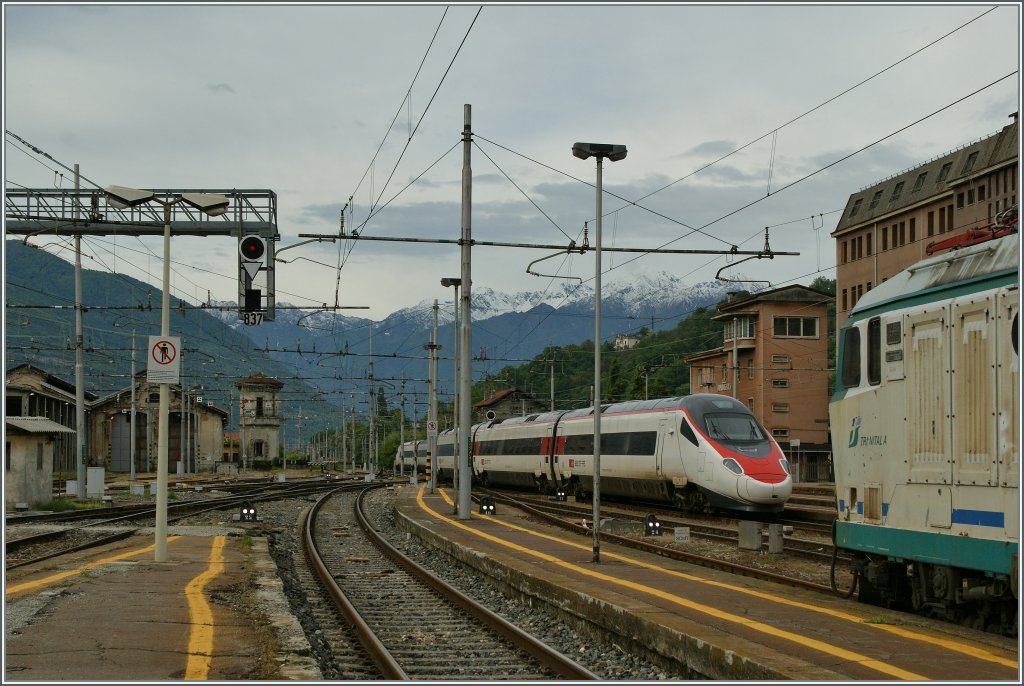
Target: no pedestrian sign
164	359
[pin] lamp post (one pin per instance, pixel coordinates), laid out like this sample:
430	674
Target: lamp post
458	468
213	205
614	153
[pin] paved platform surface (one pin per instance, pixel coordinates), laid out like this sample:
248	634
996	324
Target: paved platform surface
115	614
721	626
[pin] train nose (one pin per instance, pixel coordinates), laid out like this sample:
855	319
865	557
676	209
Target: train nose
763	492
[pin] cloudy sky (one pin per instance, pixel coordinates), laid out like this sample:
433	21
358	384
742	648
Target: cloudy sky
327	103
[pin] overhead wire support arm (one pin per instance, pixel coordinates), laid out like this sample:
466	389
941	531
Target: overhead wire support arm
568	251
764	253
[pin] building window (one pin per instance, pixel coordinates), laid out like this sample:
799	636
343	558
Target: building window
896	192
949	217
750	368
750	405
868	237
913	229
981	194
969	164
920	181
739	328
843	249
780	433
780	407
257	448
931	223
39	456
856	206
903	233
845	307
959	200
895	236
780	383
780	359
13	406
802	327
7	456
944	172
259	406
885	238
725	374
874	200
942	221
970	196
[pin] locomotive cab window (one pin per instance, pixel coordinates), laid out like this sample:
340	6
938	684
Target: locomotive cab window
684	428
875	351
851	357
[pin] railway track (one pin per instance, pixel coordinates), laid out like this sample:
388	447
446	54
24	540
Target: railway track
648	545
409	623
108	525
819	550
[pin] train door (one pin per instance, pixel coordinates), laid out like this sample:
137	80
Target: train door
666	434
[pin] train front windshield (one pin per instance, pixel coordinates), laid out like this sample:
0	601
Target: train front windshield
729	422
733	427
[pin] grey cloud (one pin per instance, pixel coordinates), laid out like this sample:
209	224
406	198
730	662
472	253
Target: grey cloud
220	88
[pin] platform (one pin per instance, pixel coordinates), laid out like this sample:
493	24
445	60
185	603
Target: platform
115	614
720	626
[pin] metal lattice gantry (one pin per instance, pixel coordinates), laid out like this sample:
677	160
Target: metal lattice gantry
67	212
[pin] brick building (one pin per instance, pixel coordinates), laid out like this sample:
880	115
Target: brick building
888	226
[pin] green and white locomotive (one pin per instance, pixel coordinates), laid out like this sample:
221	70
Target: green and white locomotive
926	437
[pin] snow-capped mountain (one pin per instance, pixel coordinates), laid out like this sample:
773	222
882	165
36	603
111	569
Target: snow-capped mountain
508	328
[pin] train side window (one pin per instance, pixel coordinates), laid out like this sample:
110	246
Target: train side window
875	351
684	428
851	358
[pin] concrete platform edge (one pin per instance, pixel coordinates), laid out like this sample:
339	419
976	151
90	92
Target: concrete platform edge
296	662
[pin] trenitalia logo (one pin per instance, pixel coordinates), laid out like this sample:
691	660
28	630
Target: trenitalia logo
854	432
856	439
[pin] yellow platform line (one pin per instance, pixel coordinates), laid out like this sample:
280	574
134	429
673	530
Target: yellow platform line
200	637
27	586
684	602
948	644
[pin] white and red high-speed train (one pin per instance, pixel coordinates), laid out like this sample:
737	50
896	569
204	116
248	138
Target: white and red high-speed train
701	452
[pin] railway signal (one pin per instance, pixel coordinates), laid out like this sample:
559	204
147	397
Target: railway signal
251	251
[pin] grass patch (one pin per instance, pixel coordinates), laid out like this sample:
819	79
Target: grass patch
68	504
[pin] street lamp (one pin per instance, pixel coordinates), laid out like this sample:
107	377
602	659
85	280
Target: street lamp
614	153
213	205
457	472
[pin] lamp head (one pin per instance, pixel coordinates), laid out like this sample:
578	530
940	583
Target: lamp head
612	152
446	282
210	203
123	197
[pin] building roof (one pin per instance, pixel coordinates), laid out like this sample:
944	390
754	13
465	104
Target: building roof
52	381
35	425
501	395
793	293
926	181
259	379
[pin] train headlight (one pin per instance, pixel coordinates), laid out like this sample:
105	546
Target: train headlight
784	463
732	465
